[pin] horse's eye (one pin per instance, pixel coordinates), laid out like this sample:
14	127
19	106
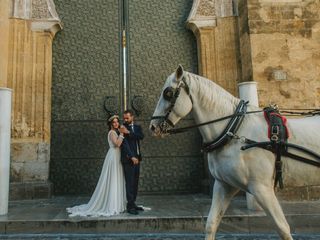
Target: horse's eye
168	93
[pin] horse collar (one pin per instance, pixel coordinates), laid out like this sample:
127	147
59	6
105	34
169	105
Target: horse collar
230	129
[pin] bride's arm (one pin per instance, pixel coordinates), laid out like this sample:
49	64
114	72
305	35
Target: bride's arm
117	140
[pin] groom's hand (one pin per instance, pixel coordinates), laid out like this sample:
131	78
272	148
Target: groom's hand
135	161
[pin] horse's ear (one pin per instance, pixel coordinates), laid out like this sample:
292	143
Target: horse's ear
179	73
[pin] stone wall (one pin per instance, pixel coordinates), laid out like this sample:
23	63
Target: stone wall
27	30
285	40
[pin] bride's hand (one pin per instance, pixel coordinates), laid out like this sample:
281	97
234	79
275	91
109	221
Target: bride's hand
123	129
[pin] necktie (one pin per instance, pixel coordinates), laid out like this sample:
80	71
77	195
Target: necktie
138	152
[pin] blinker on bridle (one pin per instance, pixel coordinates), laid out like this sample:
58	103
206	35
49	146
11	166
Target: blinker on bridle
171	95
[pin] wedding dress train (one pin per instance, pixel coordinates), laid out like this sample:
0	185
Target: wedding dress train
109	197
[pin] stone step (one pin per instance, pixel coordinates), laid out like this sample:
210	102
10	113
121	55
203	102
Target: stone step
168	214
230	224
146	236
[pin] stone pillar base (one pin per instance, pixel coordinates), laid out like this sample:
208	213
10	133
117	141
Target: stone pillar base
30	190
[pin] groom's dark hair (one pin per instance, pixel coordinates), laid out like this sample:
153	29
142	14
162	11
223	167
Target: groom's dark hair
129	111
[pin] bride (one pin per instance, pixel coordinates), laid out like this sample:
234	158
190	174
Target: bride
109	197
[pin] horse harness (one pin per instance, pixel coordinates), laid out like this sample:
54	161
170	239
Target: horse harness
278	134
277	131
230	131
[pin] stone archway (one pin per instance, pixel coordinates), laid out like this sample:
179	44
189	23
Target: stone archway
222	32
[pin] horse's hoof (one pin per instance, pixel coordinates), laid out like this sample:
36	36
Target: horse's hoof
210	237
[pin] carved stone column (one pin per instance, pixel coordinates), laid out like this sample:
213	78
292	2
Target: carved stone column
33	26
5	10
215	25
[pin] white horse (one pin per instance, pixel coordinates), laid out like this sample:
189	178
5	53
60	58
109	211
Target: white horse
252	170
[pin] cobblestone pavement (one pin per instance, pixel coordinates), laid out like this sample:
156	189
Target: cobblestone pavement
152	237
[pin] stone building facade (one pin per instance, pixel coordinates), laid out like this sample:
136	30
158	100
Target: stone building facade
273	42
285	41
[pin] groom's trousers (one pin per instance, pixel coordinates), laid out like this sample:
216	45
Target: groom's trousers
131	174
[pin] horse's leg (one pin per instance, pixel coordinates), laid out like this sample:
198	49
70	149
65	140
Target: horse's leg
222	195
268	201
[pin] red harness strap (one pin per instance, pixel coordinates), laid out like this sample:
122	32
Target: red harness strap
279	116
278	134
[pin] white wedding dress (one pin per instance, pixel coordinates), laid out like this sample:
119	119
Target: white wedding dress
109	197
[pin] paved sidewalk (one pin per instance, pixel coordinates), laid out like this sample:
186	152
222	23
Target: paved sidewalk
154	237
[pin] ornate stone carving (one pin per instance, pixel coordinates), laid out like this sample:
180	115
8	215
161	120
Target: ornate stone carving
206	8
42	14
40	10
205	12
35	9
202	15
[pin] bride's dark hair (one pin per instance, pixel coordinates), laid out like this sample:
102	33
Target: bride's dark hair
110	120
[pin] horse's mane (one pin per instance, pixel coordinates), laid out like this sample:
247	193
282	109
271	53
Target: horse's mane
211	95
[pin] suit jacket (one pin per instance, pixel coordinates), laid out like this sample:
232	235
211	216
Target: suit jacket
131	144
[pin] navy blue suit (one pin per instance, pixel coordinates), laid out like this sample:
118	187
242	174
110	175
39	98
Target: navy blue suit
131	148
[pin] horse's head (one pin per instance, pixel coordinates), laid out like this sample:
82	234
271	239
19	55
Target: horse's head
174	103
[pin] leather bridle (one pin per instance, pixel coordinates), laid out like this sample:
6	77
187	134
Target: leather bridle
171	95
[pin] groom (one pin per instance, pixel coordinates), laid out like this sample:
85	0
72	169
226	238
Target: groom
130	158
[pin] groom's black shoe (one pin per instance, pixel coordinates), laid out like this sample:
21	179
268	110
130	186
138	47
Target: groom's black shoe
138	208
132	211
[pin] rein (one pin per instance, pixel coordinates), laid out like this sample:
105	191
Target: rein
297	112
268	146
184	129
311	112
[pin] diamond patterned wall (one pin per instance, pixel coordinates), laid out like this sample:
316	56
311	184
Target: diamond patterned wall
87	68
158	42
86	59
